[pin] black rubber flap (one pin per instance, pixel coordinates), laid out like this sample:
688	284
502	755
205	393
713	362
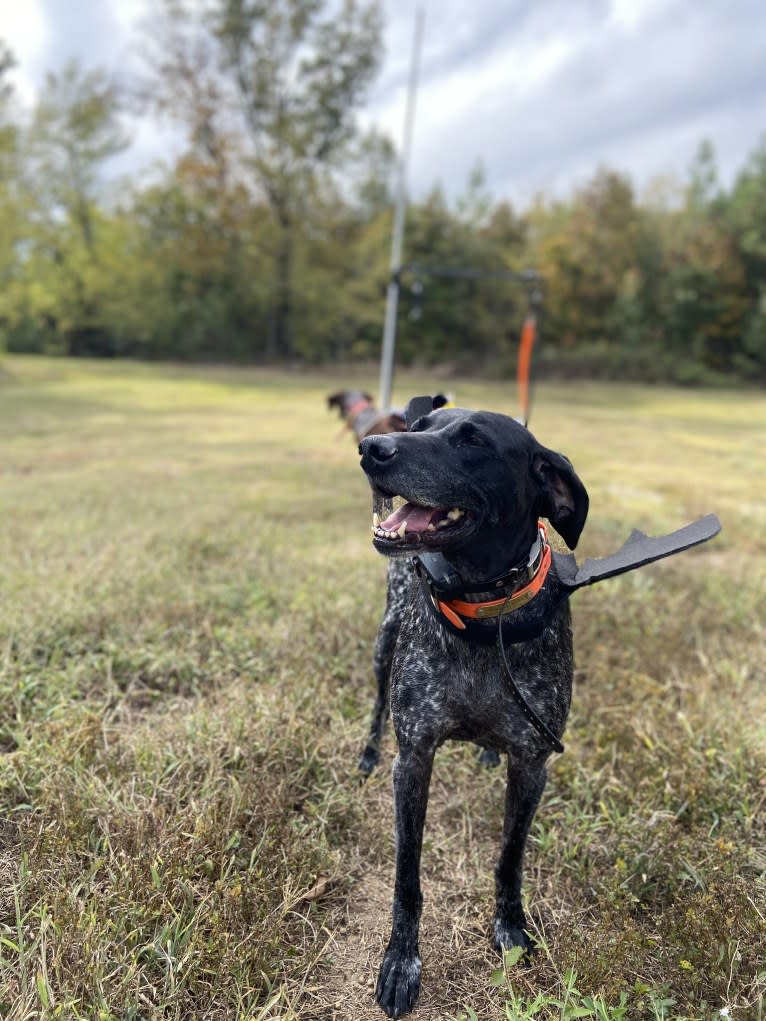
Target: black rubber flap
637	551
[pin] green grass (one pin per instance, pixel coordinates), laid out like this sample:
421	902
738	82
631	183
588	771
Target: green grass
188	601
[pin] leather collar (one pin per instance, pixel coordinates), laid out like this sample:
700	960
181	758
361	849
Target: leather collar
447	592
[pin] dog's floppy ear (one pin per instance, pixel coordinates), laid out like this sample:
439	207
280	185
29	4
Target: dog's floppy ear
563	498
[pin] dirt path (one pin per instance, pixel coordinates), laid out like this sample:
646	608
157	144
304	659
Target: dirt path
458	959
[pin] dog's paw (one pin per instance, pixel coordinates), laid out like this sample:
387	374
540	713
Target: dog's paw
368	760
489	758
398	984
511	934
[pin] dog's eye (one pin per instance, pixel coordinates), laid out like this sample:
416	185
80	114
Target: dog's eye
419	424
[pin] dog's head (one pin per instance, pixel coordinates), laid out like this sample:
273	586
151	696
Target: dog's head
345	400
470	478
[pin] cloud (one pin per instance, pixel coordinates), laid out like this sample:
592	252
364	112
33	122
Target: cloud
544	98
541	93
87	32
47	34
25	30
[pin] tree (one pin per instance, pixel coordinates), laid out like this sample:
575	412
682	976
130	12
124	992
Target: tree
703	189
9	132
183	82
7	63
9	202
586	250
75	128
300	73
297	70
372	169
746	211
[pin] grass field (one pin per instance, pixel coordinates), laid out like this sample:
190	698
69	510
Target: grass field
188	599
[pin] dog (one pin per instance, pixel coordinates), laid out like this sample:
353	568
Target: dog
475	485
358	411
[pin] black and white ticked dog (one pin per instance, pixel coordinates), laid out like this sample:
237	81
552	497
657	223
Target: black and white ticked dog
475	485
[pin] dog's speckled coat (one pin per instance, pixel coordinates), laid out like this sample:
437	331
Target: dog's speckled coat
442	686
400	576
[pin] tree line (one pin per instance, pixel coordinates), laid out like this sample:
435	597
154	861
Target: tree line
267	238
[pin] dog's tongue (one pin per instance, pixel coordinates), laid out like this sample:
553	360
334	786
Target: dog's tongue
418	518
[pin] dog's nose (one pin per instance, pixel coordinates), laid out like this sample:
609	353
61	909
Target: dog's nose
379	449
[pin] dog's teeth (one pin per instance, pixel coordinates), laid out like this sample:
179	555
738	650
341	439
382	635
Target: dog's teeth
455	513
443	523
375	520
401	529
431	528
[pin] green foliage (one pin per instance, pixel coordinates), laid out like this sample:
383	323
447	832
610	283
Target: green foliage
11	207
464	322
268	239
567	1004
59	285
295	72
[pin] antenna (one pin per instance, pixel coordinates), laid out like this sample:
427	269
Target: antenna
392	293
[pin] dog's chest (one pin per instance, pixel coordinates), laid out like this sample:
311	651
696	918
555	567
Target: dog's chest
444	687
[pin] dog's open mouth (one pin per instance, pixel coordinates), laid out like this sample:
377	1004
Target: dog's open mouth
413	525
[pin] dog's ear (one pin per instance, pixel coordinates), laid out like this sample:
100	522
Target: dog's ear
563	498
416	408
334	399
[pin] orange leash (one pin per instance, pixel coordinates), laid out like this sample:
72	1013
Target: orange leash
524	364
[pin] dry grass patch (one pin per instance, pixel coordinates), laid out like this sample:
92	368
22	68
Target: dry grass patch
188	606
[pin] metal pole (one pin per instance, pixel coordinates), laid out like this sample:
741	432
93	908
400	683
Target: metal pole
392	293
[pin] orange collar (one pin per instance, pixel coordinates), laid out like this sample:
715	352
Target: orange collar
456	609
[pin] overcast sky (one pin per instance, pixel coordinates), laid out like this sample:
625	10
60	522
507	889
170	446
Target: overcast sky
541	92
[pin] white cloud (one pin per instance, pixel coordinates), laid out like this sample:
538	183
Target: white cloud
629	14
556	89
25	29
541	93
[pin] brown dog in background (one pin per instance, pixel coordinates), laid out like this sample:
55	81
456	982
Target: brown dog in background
358	411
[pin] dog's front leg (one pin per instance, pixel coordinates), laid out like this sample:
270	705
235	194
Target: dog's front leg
399	979
385	644
522	796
